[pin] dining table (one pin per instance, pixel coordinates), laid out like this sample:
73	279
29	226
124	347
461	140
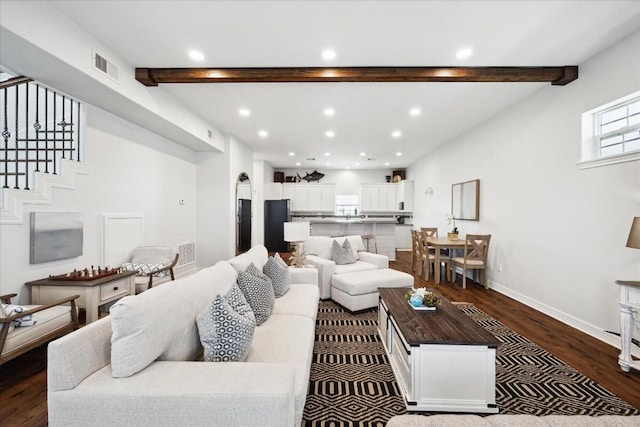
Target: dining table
439	243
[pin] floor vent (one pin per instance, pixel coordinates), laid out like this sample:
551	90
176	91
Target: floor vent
100	63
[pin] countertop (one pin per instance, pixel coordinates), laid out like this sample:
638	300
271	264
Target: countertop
354	221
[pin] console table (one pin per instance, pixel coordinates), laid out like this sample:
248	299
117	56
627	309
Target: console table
93	293
442	359
629	303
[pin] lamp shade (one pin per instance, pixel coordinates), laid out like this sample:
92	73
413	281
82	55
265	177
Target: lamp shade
634	235
296	231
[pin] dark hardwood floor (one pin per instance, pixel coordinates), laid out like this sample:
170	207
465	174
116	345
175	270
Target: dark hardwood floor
23	381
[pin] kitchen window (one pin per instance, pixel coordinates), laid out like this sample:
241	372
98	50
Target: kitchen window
346	204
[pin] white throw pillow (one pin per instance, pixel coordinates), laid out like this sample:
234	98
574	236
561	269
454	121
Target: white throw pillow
319	245
356	244
160	324
226	328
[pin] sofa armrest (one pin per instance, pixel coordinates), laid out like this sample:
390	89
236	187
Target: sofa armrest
168	393
326	269
304	275
380	261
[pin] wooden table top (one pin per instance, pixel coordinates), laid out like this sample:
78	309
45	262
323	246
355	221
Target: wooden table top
94	282
633	283
445	242
446	325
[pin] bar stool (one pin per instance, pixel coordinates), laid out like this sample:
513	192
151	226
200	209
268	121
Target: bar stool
366	238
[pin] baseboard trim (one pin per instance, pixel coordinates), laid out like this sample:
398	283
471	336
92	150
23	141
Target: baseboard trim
587	328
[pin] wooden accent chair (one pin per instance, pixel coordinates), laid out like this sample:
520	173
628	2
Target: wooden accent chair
476	250
415	249
51	321
154	264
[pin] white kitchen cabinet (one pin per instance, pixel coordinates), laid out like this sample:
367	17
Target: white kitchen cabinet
310	197
273	191
404	194
328	195
378	198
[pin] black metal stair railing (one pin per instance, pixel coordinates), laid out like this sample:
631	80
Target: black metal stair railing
40	127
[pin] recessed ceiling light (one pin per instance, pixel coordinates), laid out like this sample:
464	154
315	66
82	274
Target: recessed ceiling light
386	163
415	111
396	134
357	164
328	54
297	163
363	154
328	164
464	53
244	112
195	55
330	134
329	112
348	167
291	153
327	154
263	133
398	154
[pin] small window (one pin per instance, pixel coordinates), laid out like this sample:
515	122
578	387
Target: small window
611	133
346	204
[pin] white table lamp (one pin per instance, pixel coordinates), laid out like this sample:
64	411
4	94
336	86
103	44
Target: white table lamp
634	234
297	232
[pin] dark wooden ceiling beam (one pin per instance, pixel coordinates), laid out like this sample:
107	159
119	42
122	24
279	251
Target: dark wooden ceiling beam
554	75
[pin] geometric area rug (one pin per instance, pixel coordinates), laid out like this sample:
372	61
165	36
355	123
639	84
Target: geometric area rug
351	382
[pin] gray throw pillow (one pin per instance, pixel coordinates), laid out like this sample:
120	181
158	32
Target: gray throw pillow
226	334
342	254
259	294
279	275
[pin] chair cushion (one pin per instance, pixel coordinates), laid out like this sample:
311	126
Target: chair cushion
342	254
226	327
279	274
144	269
470	262
46	321
356	266
259	294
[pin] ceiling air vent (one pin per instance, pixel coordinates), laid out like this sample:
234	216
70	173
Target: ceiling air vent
101	64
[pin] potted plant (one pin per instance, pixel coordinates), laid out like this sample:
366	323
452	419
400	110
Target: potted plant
453	234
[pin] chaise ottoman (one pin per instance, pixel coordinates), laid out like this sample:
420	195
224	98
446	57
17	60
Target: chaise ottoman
358	290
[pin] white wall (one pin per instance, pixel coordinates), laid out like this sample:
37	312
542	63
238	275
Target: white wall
346	181
132	171
558	232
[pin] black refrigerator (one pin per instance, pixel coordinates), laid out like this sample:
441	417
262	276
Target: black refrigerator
276	213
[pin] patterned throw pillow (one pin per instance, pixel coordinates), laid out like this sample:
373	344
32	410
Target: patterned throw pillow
279	275
259	294
280	260
342	254
225	333
3	313
144	269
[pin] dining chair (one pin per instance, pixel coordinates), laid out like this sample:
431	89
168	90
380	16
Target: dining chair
476	249
427	258
445	257
415	249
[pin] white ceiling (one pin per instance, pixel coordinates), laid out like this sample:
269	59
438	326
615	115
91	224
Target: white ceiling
363	33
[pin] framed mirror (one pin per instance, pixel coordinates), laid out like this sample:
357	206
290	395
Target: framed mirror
243	213
465	200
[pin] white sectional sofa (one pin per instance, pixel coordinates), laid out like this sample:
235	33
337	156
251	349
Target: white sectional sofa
268	389
318	250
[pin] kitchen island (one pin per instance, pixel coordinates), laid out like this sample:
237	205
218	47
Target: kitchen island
382	229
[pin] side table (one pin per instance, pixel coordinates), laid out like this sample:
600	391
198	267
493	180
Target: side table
93	293
629	303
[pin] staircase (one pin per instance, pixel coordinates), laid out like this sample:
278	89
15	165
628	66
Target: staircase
41	144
